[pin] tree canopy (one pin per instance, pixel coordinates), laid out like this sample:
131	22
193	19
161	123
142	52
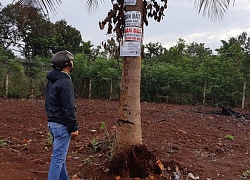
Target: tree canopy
34	35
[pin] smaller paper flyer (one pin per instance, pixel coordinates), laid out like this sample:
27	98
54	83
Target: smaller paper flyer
130	48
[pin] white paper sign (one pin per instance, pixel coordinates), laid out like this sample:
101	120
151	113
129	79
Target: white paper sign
129	2
132	18
132	34
130	48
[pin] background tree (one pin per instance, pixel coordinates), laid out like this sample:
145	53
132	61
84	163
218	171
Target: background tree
153	49
26	28
67	37
10	35
5	55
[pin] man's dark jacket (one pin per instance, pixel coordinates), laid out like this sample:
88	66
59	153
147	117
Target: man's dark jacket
60	100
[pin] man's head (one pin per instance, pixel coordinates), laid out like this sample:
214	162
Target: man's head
63	59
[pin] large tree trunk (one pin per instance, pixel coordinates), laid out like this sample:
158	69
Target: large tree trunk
128	129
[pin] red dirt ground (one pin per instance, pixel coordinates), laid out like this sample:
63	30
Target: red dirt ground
199	140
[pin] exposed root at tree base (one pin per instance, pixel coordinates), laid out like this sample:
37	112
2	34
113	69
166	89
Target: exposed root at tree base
137	161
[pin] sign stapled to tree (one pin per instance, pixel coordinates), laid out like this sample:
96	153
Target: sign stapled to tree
129	2
132	19
132	33
130	48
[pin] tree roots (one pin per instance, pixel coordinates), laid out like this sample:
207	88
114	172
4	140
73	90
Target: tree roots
137	161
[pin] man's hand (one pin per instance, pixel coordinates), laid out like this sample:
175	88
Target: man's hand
74	134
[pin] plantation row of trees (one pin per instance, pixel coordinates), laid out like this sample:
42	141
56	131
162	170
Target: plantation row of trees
191	74
184	73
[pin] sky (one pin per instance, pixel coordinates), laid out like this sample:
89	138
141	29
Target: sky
181	20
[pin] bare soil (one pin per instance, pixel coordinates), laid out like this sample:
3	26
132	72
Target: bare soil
197	141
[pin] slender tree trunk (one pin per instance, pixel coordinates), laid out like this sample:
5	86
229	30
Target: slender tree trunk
204	92
7	85
90	87
128	129
111	89
32	91
244	95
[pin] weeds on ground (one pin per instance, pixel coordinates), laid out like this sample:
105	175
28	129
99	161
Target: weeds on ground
102	143
107	135
106	144
88	159
229	137
48	141
95	144
2	143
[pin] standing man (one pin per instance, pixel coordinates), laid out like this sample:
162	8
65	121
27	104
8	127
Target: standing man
61	112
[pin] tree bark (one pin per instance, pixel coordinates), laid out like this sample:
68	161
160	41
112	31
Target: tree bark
128	129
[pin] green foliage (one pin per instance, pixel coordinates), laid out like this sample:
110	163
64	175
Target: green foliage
229	137
95	144
99	77
49	139
5	54
154	49
35	35
105	144
88	159
108	137
68	37
181	74
2	143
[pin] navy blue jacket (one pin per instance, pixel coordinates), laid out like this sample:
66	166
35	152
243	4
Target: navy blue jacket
60	100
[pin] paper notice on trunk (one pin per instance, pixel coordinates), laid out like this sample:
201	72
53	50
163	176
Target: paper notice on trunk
129	2
132	18
132	33
130	48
